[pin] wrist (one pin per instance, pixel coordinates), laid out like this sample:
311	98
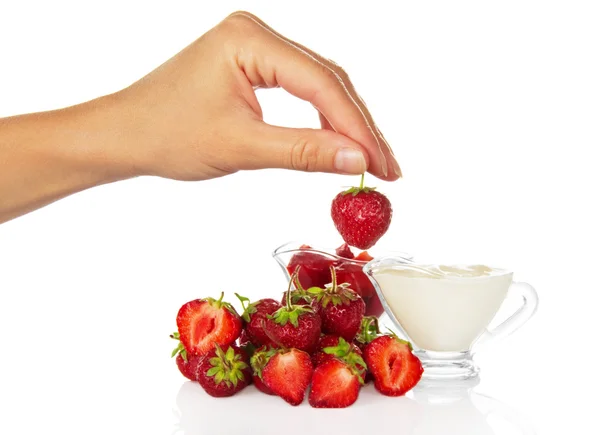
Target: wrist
101	135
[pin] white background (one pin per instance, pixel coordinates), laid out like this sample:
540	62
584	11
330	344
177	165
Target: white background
493	110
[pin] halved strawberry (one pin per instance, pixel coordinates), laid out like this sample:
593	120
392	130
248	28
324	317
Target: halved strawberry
202	323
334	347
288	374
395	369
334	385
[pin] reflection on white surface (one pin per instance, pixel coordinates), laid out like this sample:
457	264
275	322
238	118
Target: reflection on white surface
430	409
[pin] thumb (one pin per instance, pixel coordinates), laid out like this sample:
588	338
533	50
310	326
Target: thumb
304	149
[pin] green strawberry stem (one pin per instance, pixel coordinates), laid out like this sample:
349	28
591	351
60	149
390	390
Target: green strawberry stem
288	294
333	279
220	299
362	188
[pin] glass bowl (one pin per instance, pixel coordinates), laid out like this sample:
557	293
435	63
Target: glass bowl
314	269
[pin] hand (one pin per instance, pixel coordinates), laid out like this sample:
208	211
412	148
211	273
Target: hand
197	117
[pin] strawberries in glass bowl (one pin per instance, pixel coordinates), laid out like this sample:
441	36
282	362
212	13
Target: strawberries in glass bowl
314	269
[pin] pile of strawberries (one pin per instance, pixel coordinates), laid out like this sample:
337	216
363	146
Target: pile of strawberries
317	340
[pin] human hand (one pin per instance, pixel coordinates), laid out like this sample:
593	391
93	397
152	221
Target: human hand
197	117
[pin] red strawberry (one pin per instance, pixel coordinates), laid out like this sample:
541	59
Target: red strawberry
344	251
395	369
202	323
294	326
364	256
254	316
352	274
369	331
341	308
361	215
245	344
187	364
334	385
287	374
299	296
223	374
258	362
334	347
313	267
374	307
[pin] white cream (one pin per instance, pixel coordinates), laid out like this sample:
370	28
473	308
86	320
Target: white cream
443	308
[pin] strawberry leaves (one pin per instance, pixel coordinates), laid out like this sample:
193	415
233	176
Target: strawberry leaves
290	312
226	367
343	351
334	293
362	188
369	330
180	349
250	308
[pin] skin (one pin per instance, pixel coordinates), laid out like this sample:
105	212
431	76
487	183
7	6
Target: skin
195	117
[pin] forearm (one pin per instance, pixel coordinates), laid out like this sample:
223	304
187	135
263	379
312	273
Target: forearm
47	156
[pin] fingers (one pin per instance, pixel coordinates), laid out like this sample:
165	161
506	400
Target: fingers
325	124
310	150
274	60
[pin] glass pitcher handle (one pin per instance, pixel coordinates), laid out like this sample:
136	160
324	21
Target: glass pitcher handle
528	308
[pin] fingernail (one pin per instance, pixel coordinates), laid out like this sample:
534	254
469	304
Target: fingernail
396	167
384	168
350	161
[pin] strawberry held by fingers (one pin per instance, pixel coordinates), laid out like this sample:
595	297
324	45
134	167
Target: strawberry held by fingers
361	215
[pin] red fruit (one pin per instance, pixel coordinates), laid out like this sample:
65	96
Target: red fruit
395	369
258	362
224	373
287	374
352	274
361	215
254	316
341	308
344	251
187	364
261	386
334	347
363	256
374	307
313	267
245	344
294	326
334	385
202	323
